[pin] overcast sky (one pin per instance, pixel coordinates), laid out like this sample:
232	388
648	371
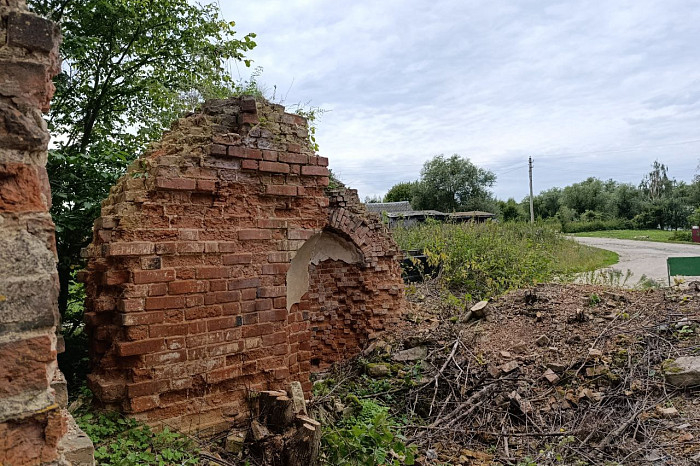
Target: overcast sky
595	88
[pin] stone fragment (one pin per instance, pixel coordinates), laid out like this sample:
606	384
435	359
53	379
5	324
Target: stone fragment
556	366
594	353
416	353
235	440
479	309
542	340
259	431
667	412
378	370
296	394
683	372
508	367
551	376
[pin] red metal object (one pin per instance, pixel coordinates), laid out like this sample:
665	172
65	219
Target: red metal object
696	234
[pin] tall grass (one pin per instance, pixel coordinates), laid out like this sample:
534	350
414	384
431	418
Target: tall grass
487	259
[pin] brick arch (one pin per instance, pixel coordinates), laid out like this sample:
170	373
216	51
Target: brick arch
186	274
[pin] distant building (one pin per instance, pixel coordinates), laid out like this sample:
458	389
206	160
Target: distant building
389	207
472	216
401	213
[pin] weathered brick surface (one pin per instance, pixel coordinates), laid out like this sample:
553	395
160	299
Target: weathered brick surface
187	272
33	421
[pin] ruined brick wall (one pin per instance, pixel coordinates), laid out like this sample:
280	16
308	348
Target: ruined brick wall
33	419
349	303
188	272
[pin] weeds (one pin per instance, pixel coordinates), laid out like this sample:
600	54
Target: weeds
487	259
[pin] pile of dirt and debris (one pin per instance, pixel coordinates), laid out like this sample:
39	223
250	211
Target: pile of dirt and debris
557	374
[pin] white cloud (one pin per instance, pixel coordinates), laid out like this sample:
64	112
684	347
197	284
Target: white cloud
493	80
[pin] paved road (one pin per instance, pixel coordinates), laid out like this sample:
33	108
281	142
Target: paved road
643	257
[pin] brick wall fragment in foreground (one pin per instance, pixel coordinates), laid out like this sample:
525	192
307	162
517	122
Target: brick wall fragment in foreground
196	295
35	427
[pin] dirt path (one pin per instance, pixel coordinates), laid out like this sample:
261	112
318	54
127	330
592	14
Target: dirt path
643	257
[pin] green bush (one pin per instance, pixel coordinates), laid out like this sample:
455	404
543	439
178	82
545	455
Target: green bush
369	437
597	225
487	259
124	441
681	235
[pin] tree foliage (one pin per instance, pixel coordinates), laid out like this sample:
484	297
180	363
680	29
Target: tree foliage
129	68
401	192
453	184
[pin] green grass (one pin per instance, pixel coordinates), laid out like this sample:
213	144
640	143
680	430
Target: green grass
487	259
662	236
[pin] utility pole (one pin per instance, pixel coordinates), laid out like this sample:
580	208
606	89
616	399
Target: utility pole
532	206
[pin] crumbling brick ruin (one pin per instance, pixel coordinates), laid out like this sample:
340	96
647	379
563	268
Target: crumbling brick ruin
222	263
35	427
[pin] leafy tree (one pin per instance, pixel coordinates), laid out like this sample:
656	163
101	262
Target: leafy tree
627	201
401	192
452	184
589	195
372	199
129	68
510	211
656	184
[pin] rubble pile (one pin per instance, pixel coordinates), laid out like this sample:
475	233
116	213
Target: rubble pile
557	374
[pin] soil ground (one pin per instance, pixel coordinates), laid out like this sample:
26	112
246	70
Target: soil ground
557	374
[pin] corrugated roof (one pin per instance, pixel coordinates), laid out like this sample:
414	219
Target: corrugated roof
473	213
389	207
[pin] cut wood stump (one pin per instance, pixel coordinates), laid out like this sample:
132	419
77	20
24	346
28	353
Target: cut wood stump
284	435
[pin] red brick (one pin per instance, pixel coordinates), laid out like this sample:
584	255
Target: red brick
273	223
169	357
133	348
221	323
245	152
130	249
142	318
274	315
249	165
146	388
143	403
281	190
153	276
21	188
275	269
186	184
217	149
233	259
248	235
257	330
157	289
206	185
271	291
299	234
190	247
241	283
263	304
311	170
211	272
290	157
225	373
165	302
168	330
24	365
278	257
131	305
275	167
186	286
269	155
322	161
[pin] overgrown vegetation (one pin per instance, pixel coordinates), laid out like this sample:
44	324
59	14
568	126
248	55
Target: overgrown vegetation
487	259
124	441
657	202
663	236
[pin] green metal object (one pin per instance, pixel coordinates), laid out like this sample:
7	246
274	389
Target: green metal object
686	266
